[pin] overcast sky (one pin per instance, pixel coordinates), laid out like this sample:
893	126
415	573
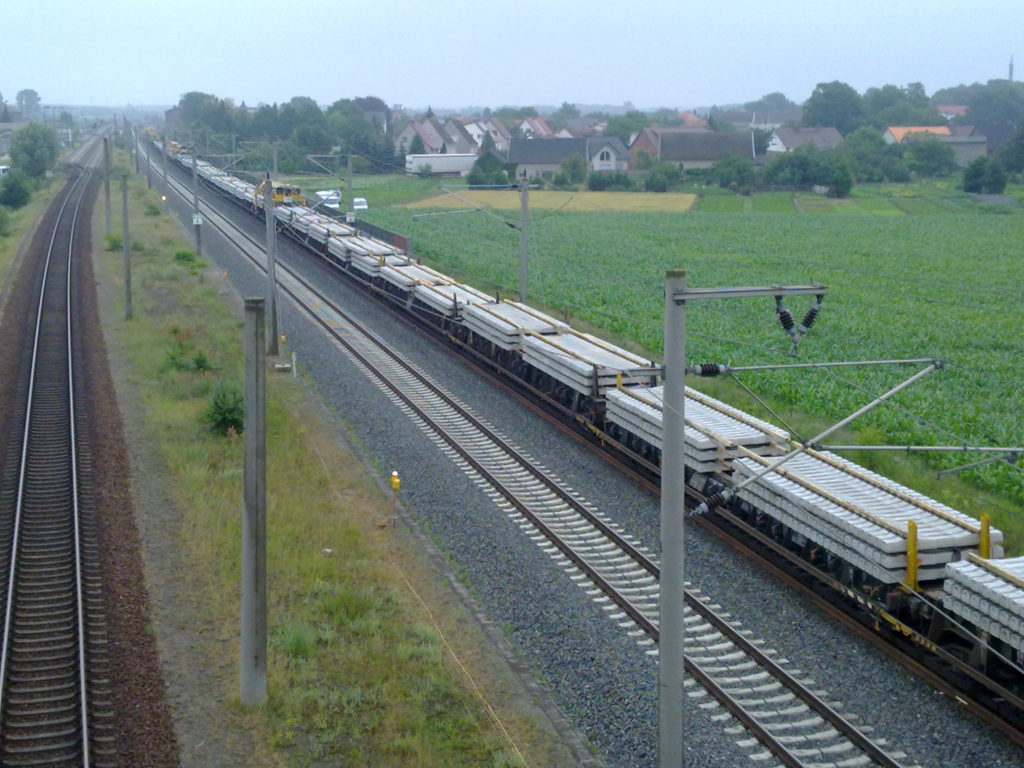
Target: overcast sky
457	53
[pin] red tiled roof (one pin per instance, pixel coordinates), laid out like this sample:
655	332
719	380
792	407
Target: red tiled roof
900	132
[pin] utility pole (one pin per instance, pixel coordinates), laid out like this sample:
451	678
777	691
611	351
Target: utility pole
351	209
149	169
253	634
671	630
197	218
268	207
524	216
273	148
106	180
673	489
163	161
127	250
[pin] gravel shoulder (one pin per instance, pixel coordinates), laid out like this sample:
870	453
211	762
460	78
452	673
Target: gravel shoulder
198	658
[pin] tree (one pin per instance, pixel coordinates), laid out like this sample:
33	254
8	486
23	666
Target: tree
561	117
626	125
834	104
644	160
1011	154
995	179
867	155
929	155
28	102
770	102
974	175
998	105
416	146
984	175
575	169
734	172
16	190
809	166
34	149
487	171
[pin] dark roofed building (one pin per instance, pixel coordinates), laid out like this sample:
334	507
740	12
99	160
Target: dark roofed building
703	150
542	157
787	138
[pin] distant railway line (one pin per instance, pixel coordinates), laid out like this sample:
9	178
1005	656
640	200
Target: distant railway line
55	700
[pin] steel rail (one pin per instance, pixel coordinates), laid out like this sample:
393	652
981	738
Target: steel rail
761	732
9	627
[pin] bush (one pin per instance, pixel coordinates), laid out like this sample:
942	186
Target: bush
114	242
200	362
16	190
226	411
656	181
984	175
184	257
563	183
598	182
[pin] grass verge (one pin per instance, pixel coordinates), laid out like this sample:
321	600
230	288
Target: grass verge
361	670
18	224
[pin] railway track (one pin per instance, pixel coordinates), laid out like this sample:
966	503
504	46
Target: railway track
54	698
784	714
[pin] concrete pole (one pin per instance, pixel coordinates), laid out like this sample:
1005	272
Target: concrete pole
197	219
253	635
127	250
673	489
135	149
524	217
163	161
351	205
268	208
106	182
274	167
149	171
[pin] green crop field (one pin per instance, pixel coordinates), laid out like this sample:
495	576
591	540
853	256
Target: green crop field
948	285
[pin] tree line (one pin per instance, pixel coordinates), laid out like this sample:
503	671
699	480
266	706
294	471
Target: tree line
295	129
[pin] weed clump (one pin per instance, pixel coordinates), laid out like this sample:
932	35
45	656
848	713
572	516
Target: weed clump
226	410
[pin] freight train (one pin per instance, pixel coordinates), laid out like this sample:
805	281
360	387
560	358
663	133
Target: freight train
925	574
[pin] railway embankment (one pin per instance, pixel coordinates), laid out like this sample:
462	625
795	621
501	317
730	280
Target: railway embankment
373	656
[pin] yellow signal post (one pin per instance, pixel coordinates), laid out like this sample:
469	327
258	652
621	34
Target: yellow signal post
396	483
912	559
985	544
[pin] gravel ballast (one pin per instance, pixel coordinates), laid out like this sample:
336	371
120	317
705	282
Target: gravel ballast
598	675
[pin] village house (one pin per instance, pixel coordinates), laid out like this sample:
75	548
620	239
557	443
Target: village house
967	144
544	157
787	138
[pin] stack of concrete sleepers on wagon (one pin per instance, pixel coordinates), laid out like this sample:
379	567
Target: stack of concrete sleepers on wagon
450	299
319	227
368	255
300	217
861	516
406	276
338	247
712	432
583	362
990	594
507	323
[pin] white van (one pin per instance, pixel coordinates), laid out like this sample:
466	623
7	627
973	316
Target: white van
359	204
4	169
